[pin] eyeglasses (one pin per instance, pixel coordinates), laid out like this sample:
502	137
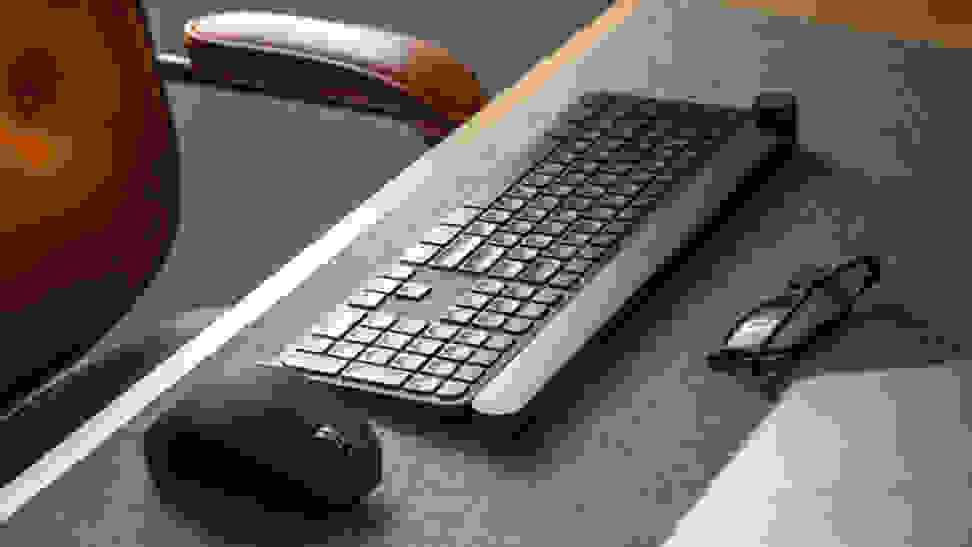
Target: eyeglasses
770	337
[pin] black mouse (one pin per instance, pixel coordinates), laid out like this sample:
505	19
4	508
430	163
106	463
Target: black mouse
269	434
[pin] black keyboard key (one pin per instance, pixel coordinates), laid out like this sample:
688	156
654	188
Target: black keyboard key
489	320
531	214
393	340
545	202
472	337
421	383
379	320
590	191
338	322
482	259
564	281
410	326
558	190
587	226
376	356
551	228
565	216
457	251
517	325
521	191
549	297
472	300
560	252
484	357
518	227
499	342
367	299
314	363
600	214
488	286
509	204
505	239
345	350
459	316
642	177
461	216
579	266
593	253
503	305
577	204
606	179
540	270
520	292
604	240
440	235
574	178
614	201
481	228
382	285
537	241
576	239
399	272
550	169
451	389
420	254
622	166
589	167
496	216
522	253
438	331
408	361
413	291
507	269
565	156
469	373
424	346
532	310
362	335
374	374
312	344
537	179
456	352
439	367
627	189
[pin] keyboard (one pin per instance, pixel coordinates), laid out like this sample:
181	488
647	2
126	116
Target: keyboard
491	302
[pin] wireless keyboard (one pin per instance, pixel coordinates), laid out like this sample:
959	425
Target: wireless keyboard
489	304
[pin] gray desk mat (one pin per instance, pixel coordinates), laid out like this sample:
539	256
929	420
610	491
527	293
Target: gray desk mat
629	433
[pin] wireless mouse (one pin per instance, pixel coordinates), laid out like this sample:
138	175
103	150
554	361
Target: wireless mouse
268	434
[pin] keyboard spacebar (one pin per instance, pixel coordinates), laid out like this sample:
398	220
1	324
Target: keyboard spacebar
457	251
374	374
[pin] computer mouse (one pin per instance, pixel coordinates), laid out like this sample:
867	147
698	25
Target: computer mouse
268	434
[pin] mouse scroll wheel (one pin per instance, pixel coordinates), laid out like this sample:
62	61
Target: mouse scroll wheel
329	433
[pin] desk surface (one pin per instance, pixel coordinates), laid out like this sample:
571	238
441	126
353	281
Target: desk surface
617	454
